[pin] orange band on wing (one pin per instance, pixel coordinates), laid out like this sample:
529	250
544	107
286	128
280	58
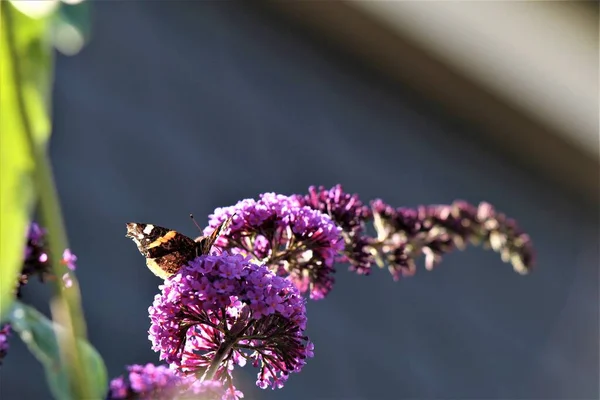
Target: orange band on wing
163	239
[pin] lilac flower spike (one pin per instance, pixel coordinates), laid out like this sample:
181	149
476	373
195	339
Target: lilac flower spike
150	382
349	213
293	240
220	310
345	209
404	234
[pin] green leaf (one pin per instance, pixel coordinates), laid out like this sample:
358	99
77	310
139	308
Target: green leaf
40	336
34	59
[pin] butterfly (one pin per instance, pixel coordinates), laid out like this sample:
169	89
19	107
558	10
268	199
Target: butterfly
166	250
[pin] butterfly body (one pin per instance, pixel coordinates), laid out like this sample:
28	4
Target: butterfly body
166	250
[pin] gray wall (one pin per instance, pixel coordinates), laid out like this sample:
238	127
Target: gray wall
179	107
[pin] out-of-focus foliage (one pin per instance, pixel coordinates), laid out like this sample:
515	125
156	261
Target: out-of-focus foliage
36	27
23	107
28	32
40	336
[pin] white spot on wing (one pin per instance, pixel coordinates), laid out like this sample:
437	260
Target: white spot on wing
148	229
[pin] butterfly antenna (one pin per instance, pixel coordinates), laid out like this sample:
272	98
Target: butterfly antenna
195	223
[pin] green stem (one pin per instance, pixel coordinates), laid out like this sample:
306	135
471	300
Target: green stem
66	303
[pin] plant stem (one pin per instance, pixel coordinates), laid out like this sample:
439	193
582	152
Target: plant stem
236	332
220	355
66	303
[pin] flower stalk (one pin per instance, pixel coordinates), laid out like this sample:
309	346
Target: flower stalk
219	357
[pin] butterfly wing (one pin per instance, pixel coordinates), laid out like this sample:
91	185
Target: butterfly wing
166	250
205	243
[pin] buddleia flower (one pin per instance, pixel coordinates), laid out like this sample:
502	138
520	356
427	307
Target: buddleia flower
405	234
220	311
350	214
293	240
152	382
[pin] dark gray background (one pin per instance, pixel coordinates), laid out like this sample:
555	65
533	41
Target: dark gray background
178	107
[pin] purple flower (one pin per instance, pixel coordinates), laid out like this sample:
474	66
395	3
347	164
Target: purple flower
69	259
145	382
5	333
403	234
213	390
293	240
36	261
345	209
221	310
349	213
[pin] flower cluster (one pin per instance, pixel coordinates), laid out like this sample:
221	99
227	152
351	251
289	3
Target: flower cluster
404	234
220	310
278	231
151	382
242	303
5	332
349	213
147	382
36	260
295	241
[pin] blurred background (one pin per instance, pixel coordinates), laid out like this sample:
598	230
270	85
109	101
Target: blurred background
176	107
